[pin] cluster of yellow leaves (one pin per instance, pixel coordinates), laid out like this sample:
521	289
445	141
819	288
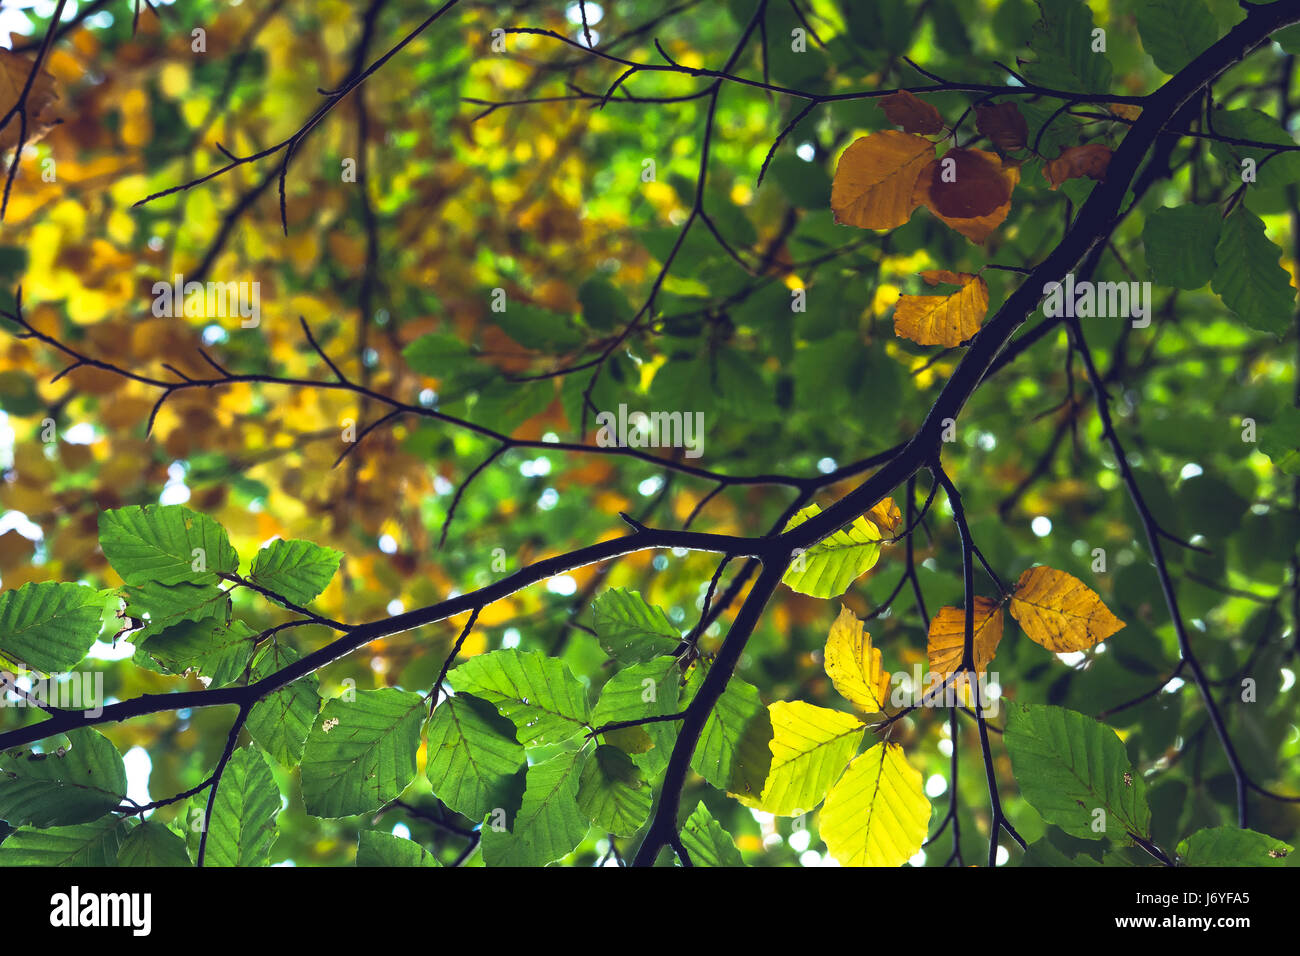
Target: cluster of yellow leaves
876	813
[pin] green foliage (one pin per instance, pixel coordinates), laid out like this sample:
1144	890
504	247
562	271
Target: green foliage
631	631
49	626
76	782
474	762
707	843
1229	846
242	826
295	570
1247	275
384	849
1175	31
1075	772
539	694
165	544
360	753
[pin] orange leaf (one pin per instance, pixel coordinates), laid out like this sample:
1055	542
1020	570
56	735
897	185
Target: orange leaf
914	115
1060	612
1077	162
947	639
1004	124
874	180
886	517
14	70
946	320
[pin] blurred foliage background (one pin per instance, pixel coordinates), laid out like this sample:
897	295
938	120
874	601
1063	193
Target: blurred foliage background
546	200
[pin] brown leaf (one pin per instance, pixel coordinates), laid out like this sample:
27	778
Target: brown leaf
948	638
1077	162
14	70
977	228
1004	124
945	320
970	186
913	114
875	179
1060	612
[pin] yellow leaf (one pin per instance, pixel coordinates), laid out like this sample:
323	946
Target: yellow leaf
810	747
826	569
877	815
873	185
1060	612
948	638
946	320
853	665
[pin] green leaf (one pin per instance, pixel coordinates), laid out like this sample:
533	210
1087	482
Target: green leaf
1180	244
242	827
504	406
638	691
603	304
295	570
1069	766
630	630
537	328
384	849
538	693
161	606
1272	171
49	626
1247	275
360	755
1043	853
474	762
612	793
1063	46
281	720
1231	846
217	651
75	783
733	752
437	355
152	844
706	842
1280	439
166	544
828	568
549	824
1175	32
86	844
